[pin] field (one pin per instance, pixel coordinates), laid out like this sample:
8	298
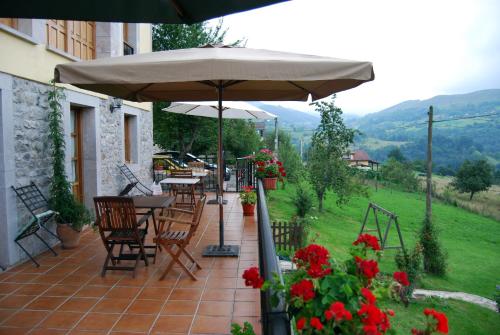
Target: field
485	203
471	241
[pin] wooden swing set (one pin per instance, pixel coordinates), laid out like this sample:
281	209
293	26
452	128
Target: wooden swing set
392	218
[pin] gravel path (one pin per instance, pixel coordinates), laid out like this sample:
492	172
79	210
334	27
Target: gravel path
472	298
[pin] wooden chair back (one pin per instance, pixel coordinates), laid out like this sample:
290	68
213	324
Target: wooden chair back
198	211
185	173
197	166
115	213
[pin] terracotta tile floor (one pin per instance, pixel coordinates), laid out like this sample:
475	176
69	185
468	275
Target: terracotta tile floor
66	294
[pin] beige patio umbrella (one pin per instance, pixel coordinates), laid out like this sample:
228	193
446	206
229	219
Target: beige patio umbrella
217	73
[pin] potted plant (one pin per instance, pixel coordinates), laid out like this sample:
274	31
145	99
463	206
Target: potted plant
328	297
248	199
268	168
71	215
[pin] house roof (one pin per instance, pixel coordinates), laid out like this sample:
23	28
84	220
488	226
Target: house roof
360	155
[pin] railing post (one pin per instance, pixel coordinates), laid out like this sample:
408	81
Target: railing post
275	320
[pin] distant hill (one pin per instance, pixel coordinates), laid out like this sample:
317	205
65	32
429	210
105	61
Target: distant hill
289	117
404	125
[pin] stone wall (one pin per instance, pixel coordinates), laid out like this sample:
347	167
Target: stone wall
32	149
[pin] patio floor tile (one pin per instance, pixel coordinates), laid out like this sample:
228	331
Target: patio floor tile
97	321
61	320
173	324
78	304
134	323
67	294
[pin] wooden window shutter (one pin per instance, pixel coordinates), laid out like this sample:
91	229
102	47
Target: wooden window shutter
74	37
57	34
13	23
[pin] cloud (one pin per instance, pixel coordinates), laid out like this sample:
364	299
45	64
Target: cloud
419	49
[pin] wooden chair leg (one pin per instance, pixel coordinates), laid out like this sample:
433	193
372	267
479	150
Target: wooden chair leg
172	261
191	258
108	257
143	253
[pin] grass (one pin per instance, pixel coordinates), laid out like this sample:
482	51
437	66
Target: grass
486	203
471	241
463	318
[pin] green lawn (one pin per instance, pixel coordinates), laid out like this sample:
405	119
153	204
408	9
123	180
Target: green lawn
463	318
471	241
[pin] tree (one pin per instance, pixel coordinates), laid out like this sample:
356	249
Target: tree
397	155
473	177
287	154
181	132
330	141
399	173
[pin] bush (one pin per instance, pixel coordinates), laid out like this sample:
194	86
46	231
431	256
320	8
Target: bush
412	265
303	198
401	174
434	257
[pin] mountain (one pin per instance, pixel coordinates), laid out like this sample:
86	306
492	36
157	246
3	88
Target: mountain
463	137
295	119
289	117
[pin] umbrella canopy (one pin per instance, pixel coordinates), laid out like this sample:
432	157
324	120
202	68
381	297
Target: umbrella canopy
216	73
192	74
230	110
147	11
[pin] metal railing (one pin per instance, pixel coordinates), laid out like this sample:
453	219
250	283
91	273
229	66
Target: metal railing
244	172
275	319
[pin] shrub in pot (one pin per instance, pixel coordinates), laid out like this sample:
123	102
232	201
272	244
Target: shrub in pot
72	215
248	199
268	169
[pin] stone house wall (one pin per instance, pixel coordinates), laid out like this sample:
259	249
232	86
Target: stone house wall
30	159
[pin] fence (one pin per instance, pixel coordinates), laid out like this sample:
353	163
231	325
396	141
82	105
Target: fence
245	173
275	320
288	235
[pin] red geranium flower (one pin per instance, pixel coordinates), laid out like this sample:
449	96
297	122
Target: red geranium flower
402	278
441	320
338	311
369	268
301	323
312	254
279	163
303	289
252	277
283	174
316	323
368	240
368	295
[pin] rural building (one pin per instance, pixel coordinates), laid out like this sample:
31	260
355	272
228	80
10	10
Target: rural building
98	137
360	159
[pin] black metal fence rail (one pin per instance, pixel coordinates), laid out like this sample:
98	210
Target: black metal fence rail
275	320
245	174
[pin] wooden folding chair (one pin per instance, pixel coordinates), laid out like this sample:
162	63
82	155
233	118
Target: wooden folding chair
118	225
175	242
183	190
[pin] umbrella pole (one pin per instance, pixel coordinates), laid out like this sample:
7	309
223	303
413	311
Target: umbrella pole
221	249
220	169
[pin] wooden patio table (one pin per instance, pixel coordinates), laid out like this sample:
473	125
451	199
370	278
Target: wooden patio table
153	203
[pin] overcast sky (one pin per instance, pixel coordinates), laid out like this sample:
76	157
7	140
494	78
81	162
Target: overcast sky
419	48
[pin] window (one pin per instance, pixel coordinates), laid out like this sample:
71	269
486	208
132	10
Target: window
13	23
127	44
74	37
130	135
126	137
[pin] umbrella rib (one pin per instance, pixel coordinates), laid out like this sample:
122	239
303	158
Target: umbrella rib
180	11
302	88
250	112
134	94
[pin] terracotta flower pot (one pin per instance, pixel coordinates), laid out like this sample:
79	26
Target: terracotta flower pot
69	237
248	209
269	183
